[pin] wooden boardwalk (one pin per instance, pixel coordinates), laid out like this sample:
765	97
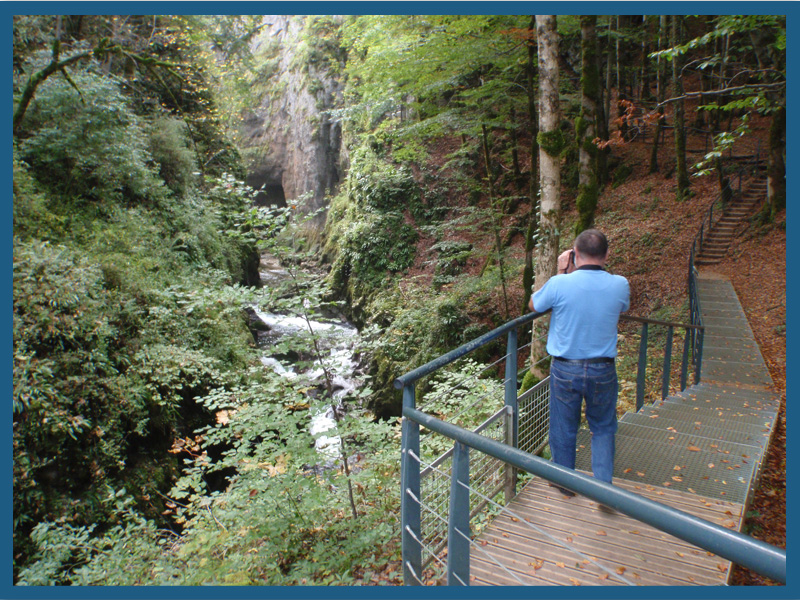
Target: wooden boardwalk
699	451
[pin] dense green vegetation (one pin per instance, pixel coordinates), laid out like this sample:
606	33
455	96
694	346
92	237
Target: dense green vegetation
150	444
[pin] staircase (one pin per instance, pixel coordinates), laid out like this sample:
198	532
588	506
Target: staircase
719	238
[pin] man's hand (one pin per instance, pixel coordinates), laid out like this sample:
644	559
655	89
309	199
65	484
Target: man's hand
565	265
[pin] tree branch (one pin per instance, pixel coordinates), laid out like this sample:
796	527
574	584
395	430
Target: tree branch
758	86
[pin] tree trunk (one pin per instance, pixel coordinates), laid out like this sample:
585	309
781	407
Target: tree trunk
585	127
679	127
776	173
660	93
533	220
645	94
551	143
497	217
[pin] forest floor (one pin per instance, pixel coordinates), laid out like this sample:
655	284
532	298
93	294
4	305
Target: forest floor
650	234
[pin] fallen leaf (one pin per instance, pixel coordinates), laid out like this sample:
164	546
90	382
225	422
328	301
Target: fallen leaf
640	474
560	564
710	465
574	581
603	576
601	532
621	570
679	554
693	449
676	468
628	470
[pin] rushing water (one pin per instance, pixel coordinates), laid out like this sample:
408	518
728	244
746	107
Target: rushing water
339	339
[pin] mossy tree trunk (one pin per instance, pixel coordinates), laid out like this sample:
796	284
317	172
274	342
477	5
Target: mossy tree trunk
551	144
586	125
776	173
679	126
533	221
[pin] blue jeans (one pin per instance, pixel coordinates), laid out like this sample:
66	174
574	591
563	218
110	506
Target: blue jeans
596	384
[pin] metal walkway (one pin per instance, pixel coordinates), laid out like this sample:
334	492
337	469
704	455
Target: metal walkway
700	451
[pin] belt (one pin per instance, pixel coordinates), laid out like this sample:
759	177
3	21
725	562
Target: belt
600	359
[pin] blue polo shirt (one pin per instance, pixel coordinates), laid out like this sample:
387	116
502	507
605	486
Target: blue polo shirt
586	307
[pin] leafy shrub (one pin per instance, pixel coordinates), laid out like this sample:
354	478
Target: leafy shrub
89	144
169	148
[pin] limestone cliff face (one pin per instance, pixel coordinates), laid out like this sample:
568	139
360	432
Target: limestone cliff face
291	143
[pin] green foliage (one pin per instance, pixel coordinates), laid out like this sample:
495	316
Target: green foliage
170	149
89	143
452	258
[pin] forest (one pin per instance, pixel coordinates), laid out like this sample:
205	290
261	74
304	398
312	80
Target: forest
410	179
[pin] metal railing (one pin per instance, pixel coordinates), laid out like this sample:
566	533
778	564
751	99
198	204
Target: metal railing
440	503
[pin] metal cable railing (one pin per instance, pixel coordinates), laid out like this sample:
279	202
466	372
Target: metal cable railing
737	547
524	430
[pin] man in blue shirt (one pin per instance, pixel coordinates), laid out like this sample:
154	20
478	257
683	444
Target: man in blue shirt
582	340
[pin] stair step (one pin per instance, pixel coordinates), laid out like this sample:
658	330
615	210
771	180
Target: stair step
704	414
741	433
678	461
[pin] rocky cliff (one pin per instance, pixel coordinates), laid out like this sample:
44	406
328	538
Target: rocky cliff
291	142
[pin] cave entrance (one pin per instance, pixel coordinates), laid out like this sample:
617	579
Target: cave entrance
268	192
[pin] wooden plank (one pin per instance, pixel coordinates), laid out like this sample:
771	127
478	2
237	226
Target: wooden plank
544	538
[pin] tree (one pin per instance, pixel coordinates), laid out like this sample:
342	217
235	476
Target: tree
533	218
737	42
585	126
660	94
678	118
551	143
103	50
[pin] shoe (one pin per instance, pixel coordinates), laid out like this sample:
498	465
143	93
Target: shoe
564	491
606	509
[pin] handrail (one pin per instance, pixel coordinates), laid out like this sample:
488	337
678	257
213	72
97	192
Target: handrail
657	322
464	349
410	472
753	554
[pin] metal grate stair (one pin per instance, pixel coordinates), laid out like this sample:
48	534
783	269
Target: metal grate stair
719	238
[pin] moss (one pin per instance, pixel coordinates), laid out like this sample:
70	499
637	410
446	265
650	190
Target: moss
552	142
587	203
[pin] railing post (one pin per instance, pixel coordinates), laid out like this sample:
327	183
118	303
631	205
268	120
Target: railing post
698	355
667	364
513	405
685	359
511	379
410	509
641	368
458	536
510	472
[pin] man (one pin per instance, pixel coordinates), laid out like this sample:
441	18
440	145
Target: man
582	340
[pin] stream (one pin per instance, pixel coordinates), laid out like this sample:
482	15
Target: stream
337	346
